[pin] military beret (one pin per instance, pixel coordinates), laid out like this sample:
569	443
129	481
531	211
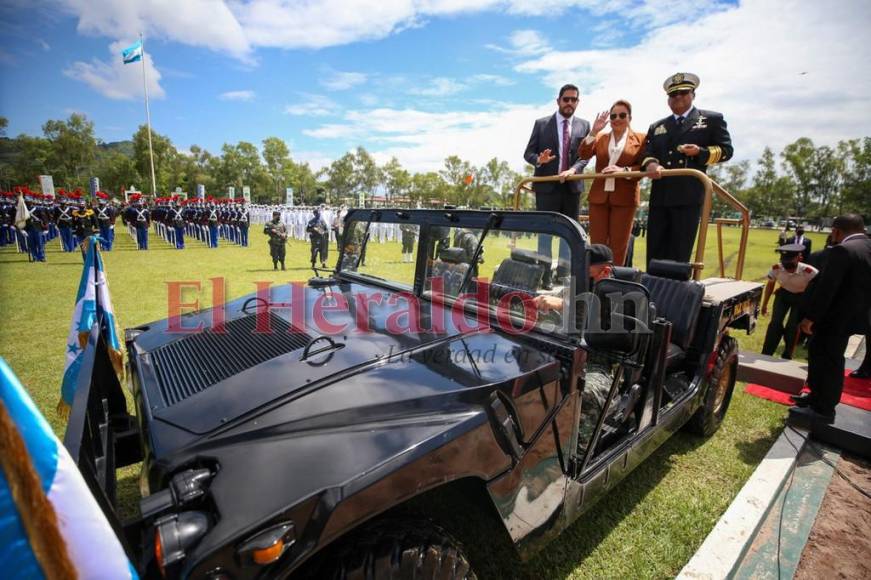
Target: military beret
790	249
681	82
600	254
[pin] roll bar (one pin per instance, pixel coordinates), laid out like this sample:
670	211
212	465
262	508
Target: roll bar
710	186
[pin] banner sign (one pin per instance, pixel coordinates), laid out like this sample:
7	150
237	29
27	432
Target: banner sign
46	183
201	191
129	192
94	186
289	199
231	191
246	193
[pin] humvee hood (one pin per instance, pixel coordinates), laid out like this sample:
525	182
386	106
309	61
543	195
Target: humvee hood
224	376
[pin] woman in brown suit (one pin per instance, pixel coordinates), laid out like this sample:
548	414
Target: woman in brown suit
613	201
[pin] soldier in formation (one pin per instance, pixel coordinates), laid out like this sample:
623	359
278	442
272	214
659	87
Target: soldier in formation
277	232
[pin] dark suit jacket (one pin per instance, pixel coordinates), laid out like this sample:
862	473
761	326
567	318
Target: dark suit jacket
707	129
807	245
841	301
544	136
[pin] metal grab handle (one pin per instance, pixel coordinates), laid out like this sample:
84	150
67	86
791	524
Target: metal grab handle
709	185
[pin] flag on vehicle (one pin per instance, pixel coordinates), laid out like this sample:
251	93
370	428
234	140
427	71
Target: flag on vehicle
51	525
133	52
22	214
469	179
93	304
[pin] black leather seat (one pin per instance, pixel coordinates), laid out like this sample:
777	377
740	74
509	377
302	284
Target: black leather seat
626	273
524	272
679	300
451	269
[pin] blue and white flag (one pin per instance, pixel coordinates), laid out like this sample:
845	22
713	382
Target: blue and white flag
92	303
132	53
91	545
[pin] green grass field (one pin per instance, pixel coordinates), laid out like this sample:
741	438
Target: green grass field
648	527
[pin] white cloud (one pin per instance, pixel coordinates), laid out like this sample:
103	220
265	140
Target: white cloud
312	106
524	43
116	80
749	58
437	87
422	140
342	81
495	80
237	96
207	23
239	27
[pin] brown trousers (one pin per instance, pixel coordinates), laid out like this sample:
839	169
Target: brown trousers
611	225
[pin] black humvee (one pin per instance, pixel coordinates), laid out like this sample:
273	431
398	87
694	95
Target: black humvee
284	434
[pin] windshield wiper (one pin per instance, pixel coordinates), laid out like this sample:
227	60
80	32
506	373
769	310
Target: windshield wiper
491	221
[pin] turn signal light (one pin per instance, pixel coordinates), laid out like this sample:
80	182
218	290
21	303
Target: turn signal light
268	555
267	546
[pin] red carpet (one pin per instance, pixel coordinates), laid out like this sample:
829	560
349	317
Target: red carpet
857	393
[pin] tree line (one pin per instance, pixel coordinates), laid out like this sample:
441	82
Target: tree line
803	180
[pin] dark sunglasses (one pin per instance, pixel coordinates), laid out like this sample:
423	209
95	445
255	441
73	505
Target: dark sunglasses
621	115
679	94
570	99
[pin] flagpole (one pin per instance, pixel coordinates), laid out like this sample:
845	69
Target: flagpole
148	120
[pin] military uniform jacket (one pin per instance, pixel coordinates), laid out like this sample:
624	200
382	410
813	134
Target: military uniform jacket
277	233
707	129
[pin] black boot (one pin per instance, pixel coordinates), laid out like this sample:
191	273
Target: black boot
282	266
275	265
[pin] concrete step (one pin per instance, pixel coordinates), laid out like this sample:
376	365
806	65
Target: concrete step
851	429
788	376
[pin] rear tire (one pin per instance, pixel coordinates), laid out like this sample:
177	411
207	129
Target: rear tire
398	549
721	384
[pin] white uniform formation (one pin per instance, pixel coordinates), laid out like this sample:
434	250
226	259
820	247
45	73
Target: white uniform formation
296	219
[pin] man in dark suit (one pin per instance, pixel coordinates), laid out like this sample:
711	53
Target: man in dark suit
800	238
553	150
689	138
839	307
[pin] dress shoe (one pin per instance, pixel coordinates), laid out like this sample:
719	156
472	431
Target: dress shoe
802	400
861	374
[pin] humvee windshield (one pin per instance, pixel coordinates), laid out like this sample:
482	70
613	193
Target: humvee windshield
506	271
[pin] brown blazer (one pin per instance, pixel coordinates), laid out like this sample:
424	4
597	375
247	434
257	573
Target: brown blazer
626	191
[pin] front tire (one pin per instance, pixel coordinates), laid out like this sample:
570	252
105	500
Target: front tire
709	416
398	549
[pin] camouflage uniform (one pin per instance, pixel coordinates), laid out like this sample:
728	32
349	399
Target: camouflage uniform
596	386
277	233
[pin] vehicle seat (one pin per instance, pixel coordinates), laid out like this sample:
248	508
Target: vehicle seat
626	273
626	304
451	269
523	272
678	299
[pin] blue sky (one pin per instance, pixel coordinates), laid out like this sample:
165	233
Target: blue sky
424	79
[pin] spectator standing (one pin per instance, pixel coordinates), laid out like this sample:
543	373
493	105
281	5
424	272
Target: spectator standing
839	307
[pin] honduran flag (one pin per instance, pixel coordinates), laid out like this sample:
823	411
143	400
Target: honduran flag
133	52
92	303
50	524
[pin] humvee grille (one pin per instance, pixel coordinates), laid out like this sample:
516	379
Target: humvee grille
195	363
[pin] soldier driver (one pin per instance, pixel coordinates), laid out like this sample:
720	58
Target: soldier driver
277	232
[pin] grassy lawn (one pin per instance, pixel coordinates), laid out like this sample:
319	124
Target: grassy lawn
648	527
